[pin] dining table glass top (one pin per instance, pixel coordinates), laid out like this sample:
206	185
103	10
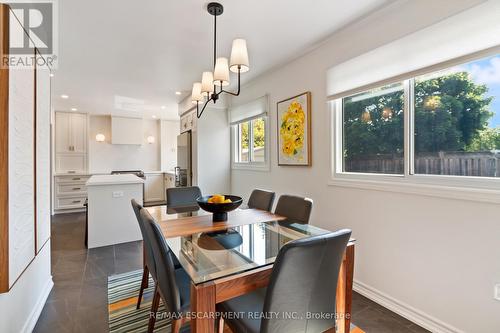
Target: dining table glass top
213	255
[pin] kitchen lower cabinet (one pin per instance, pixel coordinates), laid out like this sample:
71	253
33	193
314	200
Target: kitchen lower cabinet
70	193
154	190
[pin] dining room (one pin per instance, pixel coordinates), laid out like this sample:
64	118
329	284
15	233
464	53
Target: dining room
283	166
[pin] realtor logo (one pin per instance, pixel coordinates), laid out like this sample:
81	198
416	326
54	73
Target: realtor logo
32	24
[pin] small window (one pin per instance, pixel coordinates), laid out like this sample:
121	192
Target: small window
250	142
373	131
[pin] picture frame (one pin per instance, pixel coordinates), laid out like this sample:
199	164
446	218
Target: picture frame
294	130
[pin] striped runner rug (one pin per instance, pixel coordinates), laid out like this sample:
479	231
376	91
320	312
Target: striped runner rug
123	290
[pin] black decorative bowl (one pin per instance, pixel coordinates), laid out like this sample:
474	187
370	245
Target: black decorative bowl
219	210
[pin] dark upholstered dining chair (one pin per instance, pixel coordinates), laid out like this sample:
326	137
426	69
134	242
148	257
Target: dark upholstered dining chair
172	285
261	199
182	199
148	264
295	209
303	281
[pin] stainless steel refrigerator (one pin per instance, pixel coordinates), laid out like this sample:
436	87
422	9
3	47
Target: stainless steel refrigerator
183	170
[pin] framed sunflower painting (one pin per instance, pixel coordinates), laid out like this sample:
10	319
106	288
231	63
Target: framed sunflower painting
294	130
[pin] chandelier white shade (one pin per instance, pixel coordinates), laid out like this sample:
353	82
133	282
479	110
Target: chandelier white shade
239	56
207	82
196	95
221	72
212	83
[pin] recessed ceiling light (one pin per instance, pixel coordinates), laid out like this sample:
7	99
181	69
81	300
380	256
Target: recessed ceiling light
51	74
65	96
154	116
178	93
74	109
163	107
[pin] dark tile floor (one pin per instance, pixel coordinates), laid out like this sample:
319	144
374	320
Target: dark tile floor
78	301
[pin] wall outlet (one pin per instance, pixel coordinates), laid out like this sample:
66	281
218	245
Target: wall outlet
497	292
117	194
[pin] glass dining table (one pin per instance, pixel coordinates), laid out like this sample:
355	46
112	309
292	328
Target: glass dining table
228	259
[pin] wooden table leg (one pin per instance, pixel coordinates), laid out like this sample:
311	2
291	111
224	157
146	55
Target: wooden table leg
203	308
344	291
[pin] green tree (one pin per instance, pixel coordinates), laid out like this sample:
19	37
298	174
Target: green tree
258	133
450	111
487	139
374	125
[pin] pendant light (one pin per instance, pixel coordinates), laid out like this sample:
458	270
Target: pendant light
212	83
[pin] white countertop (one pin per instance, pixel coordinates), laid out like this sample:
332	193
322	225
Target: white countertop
114	180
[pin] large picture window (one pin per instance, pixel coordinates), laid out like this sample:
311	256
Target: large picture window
443	123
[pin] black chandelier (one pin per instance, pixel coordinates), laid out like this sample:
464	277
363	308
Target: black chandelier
206	90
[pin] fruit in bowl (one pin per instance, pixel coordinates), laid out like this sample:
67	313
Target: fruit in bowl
217	199
219	205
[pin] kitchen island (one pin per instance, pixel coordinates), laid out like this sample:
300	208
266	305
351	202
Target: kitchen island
111	219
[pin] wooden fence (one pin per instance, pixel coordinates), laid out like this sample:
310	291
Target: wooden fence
481	164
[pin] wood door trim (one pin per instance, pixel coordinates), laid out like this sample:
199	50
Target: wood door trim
4	150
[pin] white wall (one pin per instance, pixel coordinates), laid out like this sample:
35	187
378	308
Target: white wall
22	305
105	157
211	158
169	130
434	260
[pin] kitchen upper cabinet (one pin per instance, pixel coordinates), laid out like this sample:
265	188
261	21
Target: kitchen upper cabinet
71	142
71	132
188	122
79	133
63	132
154	190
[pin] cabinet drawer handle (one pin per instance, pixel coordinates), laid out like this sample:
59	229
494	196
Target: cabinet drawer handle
76	188
71	171
76	178
76	201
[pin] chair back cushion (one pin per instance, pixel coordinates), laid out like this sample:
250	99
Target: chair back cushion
303	285
146	241
183	196
295	209
261	199
165	270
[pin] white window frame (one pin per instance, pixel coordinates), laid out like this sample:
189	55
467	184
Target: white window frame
250	165
484	189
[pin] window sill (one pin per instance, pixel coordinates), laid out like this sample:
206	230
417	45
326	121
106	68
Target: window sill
406	187
251	166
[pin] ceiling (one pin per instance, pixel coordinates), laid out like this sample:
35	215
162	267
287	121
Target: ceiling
130	57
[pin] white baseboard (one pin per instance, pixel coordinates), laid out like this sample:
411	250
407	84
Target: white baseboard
30	323
404	310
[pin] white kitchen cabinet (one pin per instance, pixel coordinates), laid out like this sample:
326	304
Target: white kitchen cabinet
70	193
169	180
71	142
188	122
63	134
79	133
154	190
